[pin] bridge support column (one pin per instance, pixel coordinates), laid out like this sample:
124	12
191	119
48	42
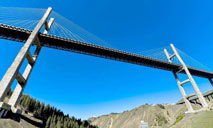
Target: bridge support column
5	113
13	72
1	113
185	98
191	80
210	80
15	98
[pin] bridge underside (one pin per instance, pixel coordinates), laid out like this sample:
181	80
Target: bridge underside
21	35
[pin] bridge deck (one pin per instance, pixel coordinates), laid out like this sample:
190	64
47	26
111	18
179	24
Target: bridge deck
21	35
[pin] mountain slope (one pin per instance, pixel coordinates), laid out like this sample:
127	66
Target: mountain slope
154	115
157	115
9	123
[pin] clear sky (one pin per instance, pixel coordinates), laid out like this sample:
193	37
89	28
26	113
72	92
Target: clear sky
86	86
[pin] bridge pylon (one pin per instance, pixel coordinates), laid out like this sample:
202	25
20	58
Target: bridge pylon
13	72
190	79
211	82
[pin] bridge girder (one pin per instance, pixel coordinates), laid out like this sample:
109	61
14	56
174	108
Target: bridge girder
55	42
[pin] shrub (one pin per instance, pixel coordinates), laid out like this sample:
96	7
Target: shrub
161	119
161	106
178	118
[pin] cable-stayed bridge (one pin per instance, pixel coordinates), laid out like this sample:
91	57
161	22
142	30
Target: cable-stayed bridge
79	42
21	35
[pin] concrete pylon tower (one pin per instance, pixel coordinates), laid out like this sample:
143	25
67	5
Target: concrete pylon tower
190	79
211	82
13	72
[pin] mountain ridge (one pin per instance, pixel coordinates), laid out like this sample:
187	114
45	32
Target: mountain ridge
159	115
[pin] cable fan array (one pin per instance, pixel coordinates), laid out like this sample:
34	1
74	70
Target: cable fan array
158	53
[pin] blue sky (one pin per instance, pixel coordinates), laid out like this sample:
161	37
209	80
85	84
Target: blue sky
86	86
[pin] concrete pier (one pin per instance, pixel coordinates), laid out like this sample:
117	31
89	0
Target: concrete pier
15	98
190	79
13	72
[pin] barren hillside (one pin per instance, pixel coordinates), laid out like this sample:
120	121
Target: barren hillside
159	115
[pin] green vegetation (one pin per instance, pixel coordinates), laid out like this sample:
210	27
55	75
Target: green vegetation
161	120
161	106
52	117
167	113
178	118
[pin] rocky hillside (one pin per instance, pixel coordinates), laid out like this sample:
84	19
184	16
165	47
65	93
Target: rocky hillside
159	116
